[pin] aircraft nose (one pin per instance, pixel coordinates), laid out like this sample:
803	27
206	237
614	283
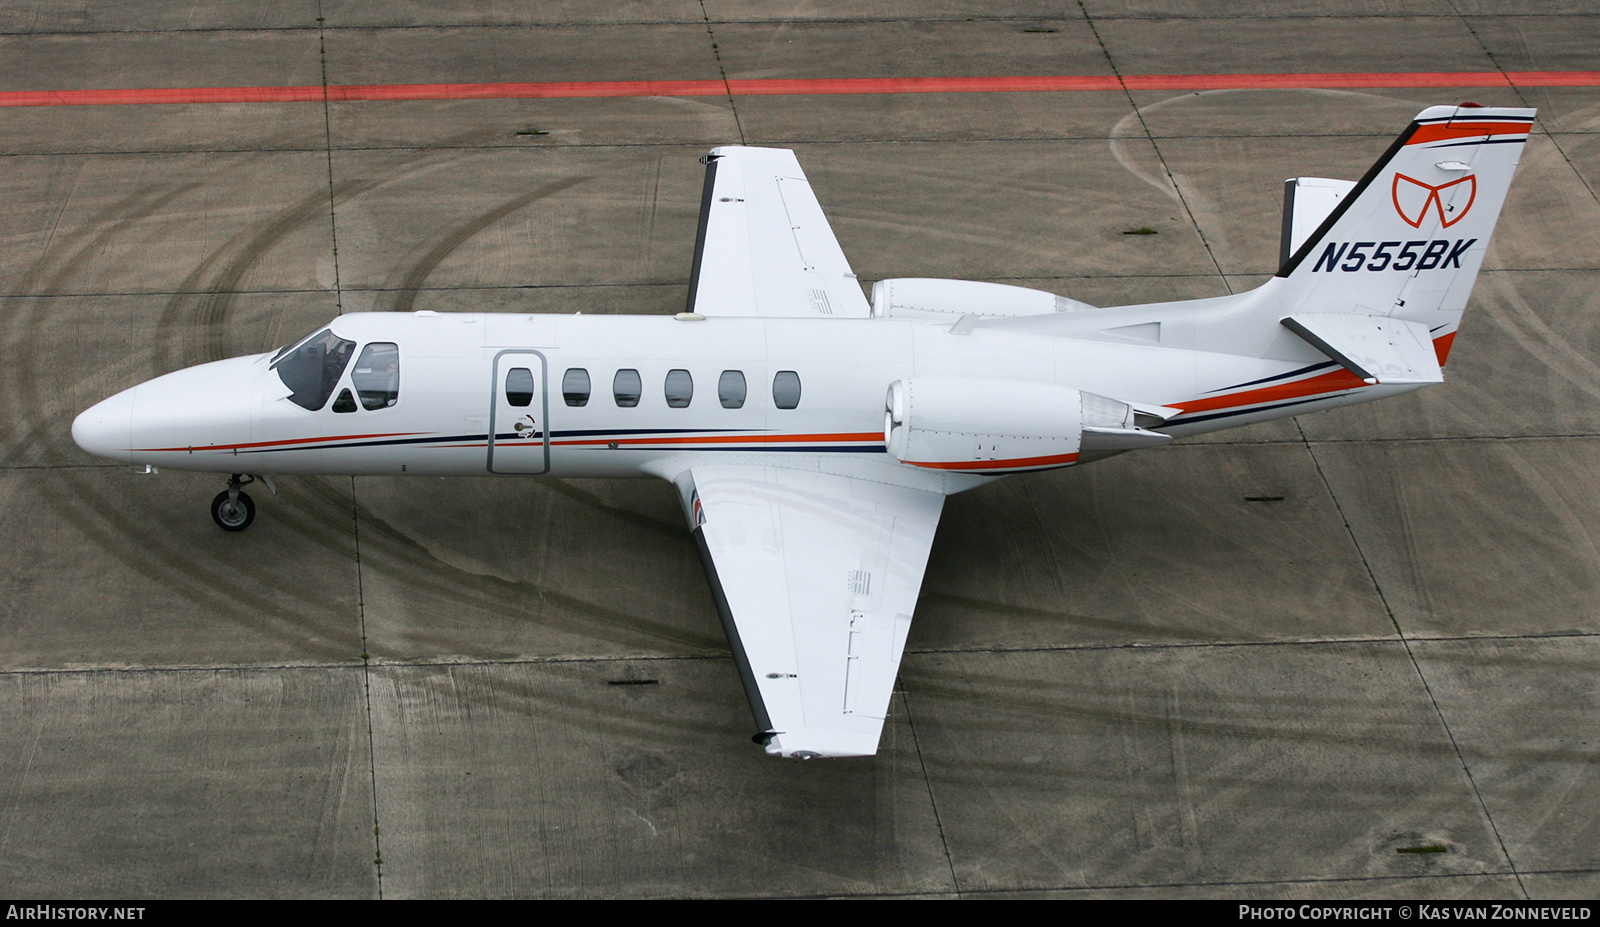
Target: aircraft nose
105	429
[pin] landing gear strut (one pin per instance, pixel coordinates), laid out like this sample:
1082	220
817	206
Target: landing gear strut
232	509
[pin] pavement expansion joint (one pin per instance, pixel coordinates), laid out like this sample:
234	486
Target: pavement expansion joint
435	662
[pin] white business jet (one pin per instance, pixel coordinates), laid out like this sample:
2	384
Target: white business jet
813	436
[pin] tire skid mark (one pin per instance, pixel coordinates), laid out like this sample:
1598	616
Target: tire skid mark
197	330
1305	715
313	511
404	559
81	499
554	699
191	572
447	245
565	488
84	502
430	574
25	325
329	505
960	605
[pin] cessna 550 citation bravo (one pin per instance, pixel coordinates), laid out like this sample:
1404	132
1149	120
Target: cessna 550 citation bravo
813	436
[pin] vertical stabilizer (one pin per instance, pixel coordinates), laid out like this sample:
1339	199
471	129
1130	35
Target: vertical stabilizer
1408	240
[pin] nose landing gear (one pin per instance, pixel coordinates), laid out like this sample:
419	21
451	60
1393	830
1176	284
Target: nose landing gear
233	509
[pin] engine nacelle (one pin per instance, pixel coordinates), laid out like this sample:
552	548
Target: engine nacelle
925	298
1007	426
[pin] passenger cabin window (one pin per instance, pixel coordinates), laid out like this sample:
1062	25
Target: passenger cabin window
377	375
730	389
627	387
345	402
786	389
312	369
575	387
680	389
519	387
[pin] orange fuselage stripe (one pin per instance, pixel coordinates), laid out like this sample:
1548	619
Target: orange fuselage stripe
283	443
1333	381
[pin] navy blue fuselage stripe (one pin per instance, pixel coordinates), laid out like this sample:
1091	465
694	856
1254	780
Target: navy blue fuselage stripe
510	436
388	443
1486	117
1281	376
1487	141
590	432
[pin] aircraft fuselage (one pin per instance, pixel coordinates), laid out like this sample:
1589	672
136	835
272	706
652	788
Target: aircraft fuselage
612	395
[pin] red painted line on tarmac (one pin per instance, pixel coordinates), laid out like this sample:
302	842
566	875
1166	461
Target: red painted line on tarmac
161	95
793	87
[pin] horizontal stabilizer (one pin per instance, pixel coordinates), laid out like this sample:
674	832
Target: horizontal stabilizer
1376	349
1307	203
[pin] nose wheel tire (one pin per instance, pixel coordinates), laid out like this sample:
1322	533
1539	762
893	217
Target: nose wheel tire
232	514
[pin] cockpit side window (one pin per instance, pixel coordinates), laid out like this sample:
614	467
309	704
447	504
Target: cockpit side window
377	375
312	369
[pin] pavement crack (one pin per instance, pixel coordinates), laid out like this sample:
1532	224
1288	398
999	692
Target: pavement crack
722	71
327	138
1166	169
927	782
366	684
355	507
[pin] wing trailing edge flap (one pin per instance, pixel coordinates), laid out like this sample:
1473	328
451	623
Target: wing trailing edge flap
816	576
1374	348
765	248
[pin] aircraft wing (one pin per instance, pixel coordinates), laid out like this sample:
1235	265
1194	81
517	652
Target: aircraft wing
764	247
815	576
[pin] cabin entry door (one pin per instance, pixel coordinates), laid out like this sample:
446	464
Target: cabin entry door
519	414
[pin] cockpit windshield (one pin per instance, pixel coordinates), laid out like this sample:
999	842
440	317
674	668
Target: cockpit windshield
313	367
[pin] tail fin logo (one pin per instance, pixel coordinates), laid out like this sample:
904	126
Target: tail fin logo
1413	200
